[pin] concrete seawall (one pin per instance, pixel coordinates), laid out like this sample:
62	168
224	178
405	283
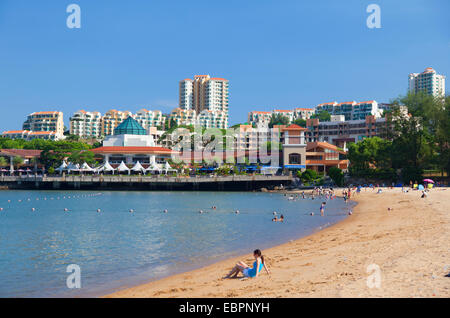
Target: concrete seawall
144	183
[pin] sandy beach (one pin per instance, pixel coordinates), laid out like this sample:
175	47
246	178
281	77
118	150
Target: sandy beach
409	244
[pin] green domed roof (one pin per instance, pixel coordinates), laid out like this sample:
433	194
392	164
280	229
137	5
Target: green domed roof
129	127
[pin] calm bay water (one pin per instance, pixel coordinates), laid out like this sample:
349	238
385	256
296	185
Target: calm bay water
116	248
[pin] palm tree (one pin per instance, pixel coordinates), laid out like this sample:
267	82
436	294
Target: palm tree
17	161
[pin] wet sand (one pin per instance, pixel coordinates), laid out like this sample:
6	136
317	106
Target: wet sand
410	245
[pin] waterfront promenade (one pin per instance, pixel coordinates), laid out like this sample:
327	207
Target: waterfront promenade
138	182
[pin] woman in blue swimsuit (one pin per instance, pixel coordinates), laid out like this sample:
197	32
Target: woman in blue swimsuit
248	271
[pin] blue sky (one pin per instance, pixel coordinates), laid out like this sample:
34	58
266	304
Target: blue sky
276	54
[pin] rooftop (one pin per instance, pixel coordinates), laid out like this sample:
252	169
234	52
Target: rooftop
131	150
24	153
130	127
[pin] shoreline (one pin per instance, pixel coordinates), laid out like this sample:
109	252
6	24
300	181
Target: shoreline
234	256
333	262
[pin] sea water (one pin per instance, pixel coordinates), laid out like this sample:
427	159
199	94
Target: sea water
132	240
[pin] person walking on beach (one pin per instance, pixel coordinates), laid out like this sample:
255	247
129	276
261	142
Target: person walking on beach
248	271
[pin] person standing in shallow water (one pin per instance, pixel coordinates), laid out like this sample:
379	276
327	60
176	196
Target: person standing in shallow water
322	209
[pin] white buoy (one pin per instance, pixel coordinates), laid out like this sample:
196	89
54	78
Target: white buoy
274	212
66	209
33	209
131	210
312	213
98	210
1	209
237	212
201	211
165	211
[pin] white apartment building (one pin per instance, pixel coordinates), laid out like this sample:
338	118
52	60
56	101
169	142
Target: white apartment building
212	119
428	81
45	121
386	107
261	119
183	116
186	94
206	93
86	124
148	118
303	113
351	110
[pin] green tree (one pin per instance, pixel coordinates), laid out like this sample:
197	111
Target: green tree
17	161
370	153
82	156
278	119
415	138
273	146
337	175
308	175
301	122
72	137
322	116
3	162
443	136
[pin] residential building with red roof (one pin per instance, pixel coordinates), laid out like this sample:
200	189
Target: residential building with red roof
45	121
86	124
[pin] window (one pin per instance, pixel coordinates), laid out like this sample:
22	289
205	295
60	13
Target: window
294	159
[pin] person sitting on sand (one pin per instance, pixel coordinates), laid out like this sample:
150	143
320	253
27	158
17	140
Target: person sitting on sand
246	270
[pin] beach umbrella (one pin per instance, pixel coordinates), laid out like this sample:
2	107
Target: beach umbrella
123	167
72	167
428	181
62	167
421	187
106	167
138	167
167	167
152	167
85	167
